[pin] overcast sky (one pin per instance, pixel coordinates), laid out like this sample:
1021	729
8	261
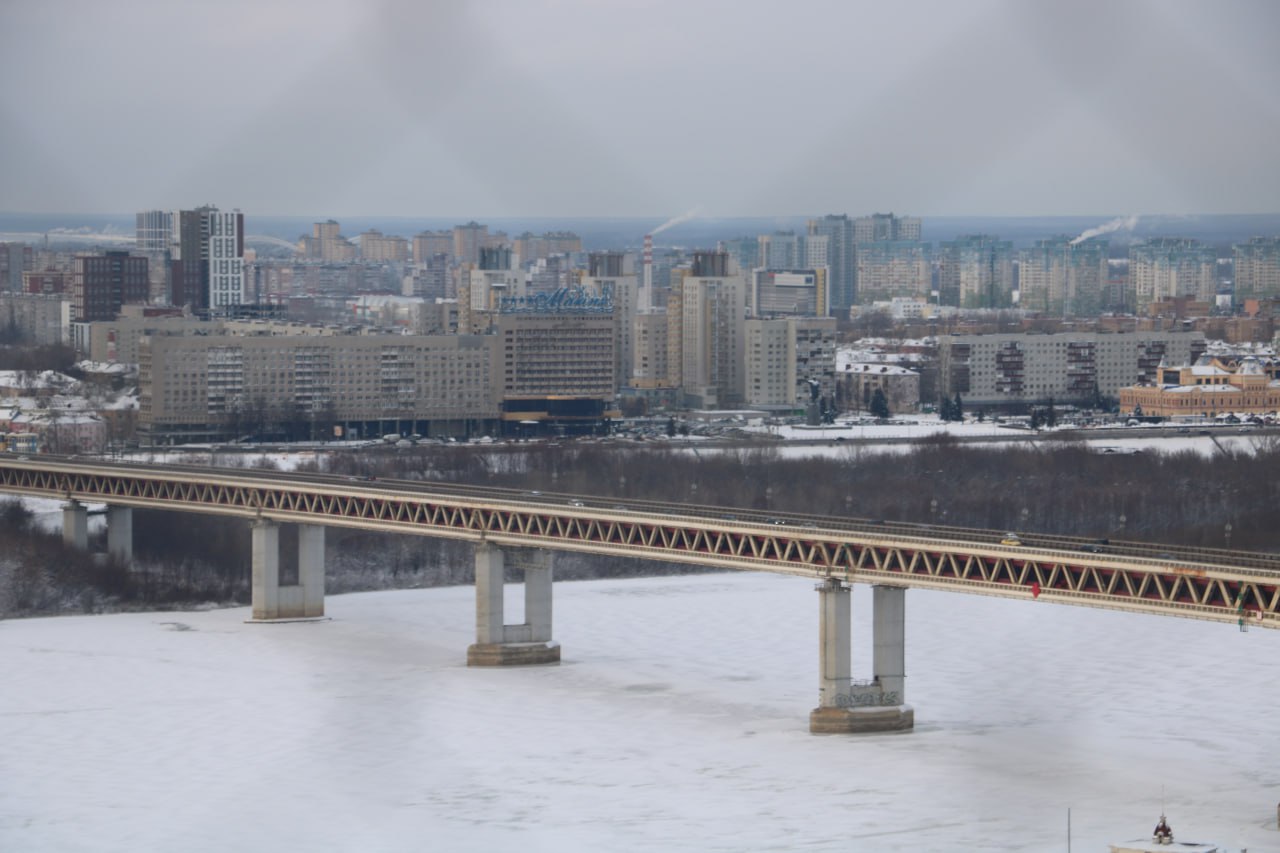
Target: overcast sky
640	107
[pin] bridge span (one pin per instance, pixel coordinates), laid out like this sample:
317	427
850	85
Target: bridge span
523	528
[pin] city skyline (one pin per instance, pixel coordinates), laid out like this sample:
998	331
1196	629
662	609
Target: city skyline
560	109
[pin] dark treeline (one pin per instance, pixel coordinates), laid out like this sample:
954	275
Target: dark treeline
1059	487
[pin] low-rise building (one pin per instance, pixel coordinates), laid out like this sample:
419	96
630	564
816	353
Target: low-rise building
1208	388
857	382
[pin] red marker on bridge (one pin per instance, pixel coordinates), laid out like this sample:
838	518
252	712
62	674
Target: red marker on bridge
1035	589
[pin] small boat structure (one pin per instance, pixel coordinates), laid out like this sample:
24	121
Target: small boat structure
1162	842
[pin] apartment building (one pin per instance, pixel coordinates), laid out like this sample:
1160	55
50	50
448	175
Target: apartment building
789	293
784	356
1168	267
976	271
101	284
293	382
710	297
1063	278
893	268
383	248
1257	269
1016	369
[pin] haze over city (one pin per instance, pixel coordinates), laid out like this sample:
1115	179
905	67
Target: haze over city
574	108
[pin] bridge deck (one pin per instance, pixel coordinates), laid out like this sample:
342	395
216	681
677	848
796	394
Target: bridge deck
1221	585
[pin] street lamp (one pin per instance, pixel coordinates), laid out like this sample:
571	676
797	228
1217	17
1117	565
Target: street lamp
933	510
1025	513
768	497
1226	533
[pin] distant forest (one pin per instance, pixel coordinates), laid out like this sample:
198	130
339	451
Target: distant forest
1064	487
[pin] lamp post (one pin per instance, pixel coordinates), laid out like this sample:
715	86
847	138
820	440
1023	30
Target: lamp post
933	511
768	497
1226	534
1025	512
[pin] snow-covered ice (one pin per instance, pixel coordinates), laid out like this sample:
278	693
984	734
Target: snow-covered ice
677	721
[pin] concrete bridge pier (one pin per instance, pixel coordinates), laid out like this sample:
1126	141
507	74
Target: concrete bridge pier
273	600
846	706
120	533
498	644
75	525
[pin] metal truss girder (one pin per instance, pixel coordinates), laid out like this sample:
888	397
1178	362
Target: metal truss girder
1216	592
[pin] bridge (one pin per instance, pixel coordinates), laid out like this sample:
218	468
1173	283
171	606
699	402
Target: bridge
523	529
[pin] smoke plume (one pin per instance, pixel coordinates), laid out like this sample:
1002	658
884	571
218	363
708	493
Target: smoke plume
1120	223
671	223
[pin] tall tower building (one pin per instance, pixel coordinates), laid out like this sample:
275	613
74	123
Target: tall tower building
780	250
100	284
1257	268
976	272
838	229
885	226
614	273
712	298
208	259
468	240
154	231
892	268
1170	267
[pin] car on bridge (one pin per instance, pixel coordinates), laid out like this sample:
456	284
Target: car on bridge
1011	539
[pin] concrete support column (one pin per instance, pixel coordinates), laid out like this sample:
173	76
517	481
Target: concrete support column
266	569
846	706
311	568
833	643
888	640
75	525
499	644
490	571
274	601
120	533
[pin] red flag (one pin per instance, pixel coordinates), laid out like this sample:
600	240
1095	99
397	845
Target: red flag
1035	589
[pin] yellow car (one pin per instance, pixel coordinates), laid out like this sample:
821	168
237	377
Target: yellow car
1011	539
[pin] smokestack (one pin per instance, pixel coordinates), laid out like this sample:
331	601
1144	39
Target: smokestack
646	289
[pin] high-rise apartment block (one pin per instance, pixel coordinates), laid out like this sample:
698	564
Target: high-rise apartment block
789	293
783	356
1063	278
384	248
840	258
531	247
780	250
976	271
1257	269
613	274
101	284
887	269
326	243
712	303
1170	267
428	244
879	227
15	259
206	254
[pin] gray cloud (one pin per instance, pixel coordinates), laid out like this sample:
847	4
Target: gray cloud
571	107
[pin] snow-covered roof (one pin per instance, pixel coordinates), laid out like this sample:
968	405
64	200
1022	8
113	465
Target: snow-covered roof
876	368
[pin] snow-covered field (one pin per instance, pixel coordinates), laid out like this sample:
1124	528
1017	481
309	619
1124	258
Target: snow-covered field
677	721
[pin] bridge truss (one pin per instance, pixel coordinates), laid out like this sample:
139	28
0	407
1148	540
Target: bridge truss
1225	586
